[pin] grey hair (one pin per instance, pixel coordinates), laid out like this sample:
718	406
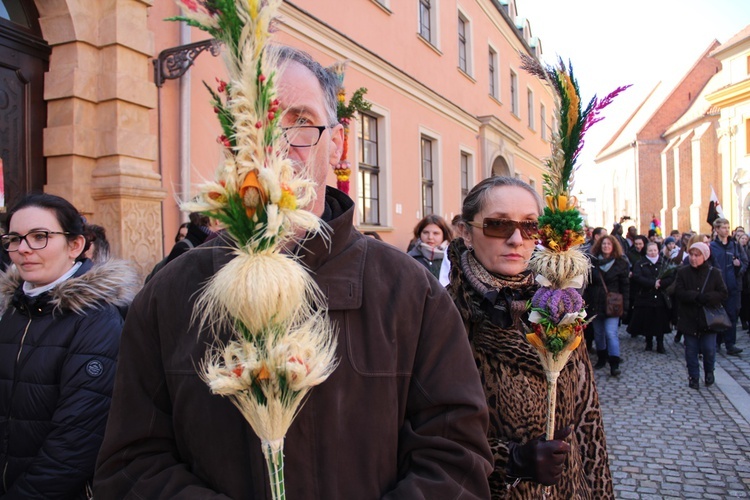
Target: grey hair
477	197
327	80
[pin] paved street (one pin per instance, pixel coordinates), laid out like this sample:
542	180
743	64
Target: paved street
666	440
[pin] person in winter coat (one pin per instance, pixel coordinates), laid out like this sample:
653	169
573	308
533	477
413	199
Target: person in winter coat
697	285
432	236
490	284
609	273
651	315
731	260
402	416
59	336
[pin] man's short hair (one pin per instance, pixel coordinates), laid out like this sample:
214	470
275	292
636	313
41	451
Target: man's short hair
328	82
720	221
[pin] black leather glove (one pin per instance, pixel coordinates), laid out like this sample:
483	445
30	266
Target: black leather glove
540	460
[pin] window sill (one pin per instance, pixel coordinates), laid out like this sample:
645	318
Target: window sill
378	229
471	78
429	44
499	103
383	7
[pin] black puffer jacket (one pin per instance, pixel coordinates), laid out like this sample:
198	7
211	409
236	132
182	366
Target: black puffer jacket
616	279
57	364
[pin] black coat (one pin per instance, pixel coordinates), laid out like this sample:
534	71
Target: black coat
690	299
57	364
617	281
645	274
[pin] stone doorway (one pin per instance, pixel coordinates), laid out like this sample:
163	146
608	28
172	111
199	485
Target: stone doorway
24	58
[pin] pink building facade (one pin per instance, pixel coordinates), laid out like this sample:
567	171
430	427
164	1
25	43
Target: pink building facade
450	105
84	117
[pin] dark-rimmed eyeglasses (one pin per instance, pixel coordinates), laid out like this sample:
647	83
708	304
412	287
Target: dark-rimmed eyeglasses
304	136
504	228
35	240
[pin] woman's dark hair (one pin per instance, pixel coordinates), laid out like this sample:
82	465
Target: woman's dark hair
616	247
438	221
645	243
477	197
97	236
177	236
67	216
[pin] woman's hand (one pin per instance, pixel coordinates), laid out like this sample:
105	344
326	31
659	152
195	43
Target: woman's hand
657	284
540	460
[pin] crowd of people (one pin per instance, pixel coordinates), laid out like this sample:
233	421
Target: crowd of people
665	284
438	393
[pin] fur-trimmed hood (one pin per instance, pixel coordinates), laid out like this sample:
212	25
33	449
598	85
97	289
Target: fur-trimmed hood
112	282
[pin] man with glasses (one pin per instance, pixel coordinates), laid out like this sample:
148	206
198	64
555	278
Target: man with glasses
402	416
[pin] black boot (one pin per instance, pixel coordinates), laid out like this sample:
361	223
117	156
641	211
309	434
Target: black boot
660	344
710	379
601	360
649	342
614	366
693	383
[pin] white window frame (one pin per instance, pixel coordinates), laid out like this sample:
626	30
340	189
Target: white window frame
530	108
385	162
514	93
464	151
437	172
493	78
469	41
434	38
543	120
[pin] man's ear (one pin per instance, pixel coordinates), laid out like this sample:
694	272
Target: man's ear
337	144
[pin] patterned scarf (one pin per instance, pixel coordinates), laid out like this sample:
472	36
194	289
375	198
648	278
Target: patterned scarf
503	297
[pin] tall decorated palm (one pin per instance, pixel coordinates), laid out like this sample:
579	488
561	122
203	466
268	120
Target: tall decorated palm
282	343
557	310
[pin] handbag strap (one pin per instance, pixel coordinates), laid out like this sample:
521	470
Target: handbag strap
603	283
707	275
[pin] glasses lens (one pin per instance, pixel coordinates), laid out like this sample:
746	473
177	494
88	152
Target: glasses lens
37	240
303	136
10	241
504	228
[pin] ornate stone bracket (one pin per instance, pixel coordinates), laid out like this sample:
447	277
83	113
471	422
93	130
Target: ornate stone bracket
172	63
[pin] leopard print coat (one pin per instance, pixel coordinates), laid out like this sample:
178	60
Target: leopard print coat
516	390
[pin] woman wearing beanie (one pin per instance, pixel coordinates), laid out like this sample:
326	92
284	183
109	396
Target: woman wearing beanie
698	285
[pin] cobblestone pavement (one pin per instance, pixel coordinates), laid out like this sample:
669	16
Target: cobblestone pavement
666	440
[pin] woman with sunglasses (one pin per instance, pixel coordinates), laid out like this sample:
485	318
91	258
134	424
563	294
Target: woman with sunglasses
491	284
431	236
59	333
610	272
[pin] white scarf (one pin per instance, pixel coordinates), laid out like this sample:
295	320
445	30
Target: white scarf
32	291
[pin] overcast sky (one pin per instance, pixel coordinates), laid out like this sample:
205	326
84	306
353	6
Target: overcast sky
639	42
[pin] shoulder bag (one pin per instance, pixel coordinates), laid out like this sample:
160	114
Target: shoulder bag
615	306
716	317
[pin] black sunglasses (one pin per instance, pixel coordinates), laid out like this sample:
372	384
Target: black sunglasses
504	228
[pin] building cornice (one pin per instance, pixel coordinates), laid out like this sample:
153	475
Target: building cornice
501	128
730	95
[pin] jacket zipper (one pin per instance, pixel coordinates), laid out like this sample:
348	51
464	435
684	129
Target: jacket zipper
23	338
18	357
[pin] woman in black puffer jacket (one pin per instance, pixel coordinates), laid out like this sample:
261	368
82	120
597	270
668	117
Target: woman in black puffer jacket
60	325
609	273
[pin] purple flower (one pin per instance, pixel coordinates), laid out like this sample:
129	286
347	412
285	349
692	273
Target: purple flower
553	306
540	298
